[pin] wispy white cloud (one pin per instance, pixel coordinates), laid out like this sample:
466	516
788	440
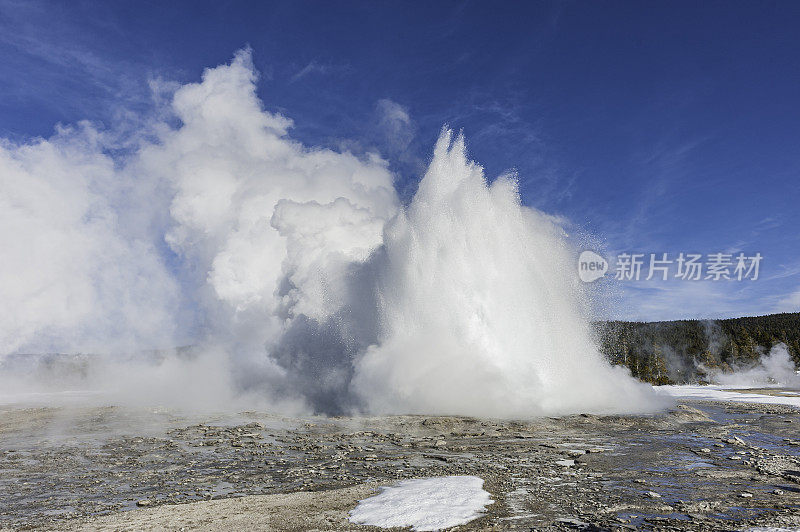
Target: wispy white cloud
658	300
395	123
784	271
504	124
658	170
790	303
313	67
66	68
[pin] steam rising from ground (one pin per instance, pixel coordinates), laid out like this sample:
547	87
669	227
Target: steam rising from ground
774	368
294	271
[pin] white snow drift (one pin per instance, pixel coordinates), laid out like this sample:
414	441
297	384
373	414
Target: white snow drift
425	504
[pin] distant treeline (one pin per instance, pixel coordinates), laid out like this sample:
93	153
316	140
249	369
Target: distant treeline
673	352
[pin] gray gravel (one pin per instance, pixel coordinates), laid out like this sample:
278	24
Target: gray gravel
60	466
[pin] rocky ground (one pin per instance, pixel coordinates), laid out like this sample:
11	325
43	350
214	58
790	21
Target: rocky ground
702	466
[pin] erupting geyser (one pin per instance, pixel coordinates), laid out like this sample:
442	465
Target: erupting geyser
479	308
300	267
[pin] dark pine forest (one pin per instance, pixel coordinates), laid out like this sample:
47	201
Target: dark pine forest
670	352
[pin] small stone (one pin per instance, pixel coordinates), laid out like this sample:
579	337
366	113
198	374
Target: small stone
572	523
144	502
735	457
653	495
440	443
778	491
705	450
745	494
566	463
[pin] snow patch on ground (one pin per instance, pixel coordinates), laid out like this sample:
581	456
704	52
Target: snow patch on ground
425	504
712	392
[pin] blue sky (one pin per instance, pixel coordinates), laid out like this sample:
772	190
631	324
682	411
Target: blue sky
653	127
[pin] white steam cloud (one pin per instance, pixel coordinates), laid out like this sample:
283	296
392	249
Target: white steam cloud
75	273
774	368
311	284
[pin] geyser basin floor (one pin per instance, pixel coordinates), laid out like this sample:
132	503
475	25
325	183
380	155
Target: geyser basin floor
703	466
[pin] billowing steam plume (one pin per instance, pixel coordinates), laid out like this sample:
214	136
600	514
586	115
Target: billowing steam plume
773	368
294	271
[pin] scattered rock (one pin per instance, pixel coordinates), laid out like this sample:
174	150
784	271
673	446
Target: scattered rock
688	413
736	440
572	523
550	479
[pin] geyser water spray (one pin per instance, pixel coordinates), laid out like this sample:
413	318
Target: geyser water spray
479	308
296	269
